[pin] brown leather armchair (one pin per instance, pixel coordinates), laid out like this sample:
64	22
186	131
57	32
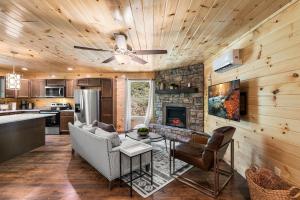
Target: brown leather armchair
204	152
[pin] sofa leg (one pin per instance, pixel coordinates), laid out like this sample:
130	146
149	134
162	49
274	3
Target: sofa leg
110	185
73	151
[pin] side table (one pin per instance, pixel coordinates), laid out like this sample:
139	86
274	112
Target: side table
132	151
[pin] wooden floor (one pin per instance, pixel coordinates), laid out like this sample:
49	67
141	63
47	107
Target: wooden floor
51	172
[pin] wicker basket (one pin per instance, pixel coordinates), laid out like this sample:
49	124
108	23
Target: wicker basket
265	185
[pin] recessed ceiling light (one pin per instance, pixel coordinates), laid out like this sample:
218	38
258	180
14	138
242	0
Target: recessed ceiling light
24	69
88	76
69	68
53	76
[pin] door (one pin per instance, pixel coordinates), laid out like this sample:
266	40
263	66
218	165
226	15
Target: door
56	82
25	89
55	91
106	87
87	105
91	99
70	87
107	110
65	118
10	93
38	88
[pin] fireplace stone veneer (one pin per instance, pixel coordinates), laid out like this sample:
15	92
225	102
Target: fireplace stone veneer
193	102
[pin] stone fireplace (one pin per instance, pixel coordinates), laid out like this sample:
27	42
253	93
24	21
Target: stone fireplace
179	113
176	115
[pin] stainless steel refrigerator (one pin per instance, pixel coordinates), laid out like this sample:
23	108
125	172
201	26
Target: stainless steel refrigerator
87	105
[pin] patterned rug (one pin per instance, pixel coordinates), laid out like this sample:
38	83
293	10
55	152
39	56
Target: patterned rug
161	172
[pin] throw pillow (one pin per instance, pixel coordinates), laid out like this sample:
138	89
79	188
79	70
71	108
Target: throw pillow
112	136
89	128
106	127
95	123
78	124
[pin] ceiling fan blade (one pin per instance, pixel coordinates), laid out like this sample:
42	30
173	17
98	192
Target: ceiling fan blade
137	59
149	52
89	48
109	59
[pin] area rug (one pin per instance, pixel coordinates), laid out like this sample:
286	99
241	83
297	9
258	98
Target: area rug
161	176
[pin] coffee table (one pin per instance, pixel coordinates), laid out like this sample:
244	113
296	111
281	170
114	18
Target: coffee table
153	137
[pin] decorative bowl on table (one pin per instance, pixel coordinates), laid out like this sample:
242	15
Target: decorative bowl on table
143	132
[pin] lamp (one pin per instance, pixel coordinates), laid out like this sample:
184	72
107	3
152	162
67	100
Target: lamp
13	80
122	58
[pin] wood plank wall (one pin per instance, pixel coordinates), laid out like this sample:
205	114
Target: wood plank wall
269	135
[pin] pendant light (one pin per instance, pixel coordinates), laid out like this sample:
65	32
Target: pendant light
13	80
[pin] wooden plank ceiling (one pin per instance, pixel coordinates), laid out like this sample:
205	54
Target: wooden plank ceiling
43	32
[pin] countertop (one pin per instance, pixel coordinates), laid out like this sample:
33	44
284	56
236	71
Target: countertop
12	111
22	117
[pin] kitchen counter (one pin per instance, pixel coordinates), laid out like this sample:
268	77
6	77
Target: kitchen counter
21	133
17	111
21	117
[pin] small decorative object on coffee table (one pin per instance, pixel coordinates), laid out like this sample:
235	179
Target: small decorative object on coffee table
143	132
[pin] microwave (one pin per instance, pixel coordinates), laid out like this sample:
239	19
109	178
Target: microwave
55	91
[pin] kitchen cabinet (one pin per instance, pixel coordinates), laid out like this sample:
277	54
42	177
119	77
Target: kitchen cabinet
106	87
25	89
107	101
55	82
38	88
107	110
65	118
10	93
89	82
70	87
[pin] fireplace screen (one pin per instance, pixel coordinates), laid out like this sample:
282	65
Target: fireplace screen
176	116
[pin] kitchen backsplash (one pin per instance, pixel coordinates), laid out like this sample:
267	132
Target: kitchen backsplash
38	102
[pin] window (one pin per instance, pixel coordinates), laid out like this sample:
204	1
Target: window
139	97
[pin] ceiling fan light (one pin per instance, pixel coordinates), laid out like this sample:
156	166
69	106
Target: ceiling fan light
122	59
121	41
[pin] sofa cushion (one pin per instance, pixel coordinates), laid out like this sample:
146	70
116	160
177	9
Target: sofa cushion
111	136
106	127
89	128
78	124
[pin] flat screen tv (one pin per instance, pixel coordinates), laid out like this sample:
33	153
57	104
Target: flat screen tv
224	100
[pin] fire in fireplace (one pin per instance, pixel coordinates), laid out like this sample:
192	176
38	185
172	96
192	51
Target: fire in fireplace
176	116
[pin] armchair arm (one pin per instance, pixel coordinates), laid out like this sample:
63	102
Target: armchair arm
200	138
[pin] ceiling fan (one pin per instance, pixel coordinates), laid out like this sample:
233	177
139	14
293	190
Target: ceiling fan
122	51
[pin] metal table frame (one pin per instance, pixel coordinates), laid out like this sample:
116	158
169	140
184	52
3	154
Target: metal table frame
158	139
141	172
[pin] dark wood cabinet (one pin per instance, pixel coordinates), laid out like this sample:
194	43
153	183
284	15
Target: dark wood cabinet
82	82
70	87
38	88
24	91
10	93
56	82
65	118
89	82
106	87
107	110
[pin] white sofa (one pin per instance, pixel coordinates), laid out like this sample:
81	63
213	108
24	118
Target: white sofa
99	153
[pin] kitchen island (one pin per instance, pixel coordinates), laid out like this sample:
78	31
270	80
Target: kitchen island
20	133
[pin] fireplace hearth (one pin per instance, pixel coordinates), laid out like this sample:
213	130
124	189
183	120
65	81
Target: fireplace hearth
176	116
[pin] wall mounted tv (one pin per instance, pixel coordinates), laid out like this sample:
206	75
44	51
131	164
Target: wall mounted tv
224	100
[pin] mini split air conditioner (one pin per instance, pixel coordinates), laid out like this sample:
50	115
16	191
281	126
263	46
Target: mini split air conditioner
227	61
